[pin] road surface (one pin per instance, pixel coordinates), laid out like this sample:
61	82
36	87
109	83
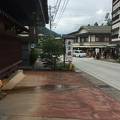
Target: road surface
106	71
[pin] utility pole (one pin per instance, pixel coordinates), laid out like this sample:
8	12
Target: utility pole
51	15
64	52
50	19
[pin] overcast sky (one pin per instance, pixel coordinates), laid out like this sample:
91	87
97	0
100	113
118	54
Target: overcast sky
82	12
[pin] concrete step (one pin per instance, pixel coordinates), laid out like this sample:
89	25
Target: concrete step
14	80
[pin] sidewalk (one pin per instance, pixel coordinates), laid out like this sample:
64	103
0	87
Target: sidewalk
57	96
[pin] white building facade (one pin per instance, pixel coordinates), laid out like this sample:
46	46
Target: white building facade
116	21
116	26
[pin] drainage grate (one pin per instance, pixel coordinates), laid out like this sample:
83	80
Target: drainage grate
104	86
48	87
59	87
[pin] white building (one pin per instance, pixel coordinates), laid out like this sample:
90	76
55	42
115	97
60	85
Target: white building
116	26
116	21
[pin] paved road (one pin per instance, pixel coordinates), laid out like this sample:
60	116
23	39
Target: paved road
105	71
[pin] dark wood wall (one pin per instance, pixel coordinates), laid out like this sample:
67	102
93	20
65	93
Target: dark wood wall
10	54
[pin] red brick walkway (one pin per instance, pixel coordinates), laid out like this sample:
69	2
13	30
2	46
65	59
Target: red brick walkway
79	99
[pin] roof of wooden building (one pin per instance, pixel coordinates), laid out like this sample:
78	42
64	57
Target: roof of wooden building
22	10
97	29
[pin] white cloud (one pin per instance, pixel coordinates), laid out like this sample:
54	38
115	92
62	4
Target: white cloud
101	12
69	24
83	12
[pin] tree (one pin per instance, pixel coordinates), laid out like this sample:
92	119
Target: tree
109	22
96	24
108	19
51	51
102	24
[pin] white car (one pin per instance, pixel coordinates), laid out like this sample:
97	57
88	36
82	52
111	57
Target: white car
79	53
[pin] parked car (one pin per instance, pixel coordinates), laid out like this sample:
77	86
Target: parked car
79	53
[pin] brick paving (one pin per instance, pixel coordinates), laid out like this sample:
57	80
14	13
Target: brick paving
78	99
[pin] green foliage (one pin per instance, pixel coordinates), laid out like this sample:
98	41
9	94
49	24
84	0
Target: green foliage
109	22
108	19
96	24
51	51
118	60
66	67
62	67
33	56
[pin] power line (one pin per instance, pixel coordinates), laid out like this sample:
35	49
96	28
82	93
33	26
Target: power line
57	8
62	10
58	3
63	7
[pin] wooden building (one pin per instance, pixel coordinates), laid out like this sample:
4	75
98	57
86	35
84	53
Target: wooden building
90	39
14	15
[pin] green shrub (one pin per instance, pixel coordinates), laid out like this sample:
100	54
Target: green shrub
65	67
52	49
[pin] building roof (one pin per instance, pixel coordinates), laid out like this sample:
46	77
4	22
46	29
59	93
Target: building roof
22	10
97	29
90	30
73	33
68	36
7	18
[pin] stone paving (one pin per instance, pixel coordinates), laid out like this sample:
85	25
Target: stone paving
57	96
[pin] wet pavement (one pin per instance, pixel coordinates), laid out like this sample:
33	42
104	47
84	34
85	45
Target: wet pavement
57	96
